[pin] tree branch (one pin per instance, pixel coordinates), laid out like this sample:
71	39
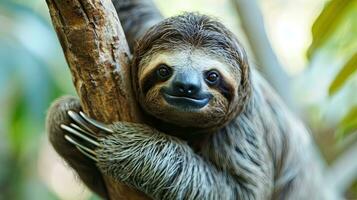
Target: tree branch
97	53
253	25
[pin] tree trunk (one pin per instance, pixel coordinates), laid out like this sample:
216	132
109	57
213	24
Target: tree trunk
97	53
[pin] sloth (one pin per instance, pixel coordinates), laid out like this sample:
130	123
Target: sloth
214	128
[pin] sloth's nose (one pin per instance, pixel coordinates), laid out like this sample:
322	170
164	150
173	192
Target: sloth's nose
186	84
185	89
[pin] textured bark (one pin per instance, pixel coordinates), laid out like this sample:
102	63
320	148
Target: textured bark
97	53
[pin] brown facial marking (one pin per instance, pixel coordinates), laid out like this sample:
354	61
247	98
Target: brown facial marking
226	89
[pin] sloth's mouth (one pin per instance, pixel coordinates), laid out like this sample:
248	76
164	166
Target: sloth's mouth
186	102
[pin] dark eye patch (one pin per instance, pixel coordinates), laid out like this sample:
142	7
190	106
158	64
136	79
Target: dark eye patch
225	89
151	79
222	86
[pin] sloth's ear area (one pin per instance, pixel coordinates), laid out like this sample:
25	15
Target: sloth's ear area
82	133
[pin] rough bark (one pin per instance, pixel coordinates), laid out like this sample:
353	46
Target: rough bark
97	53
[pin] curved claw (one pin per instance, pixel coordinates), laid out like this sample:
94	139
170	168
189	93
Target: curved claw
95	123
80	121
86	151
79	134
82	130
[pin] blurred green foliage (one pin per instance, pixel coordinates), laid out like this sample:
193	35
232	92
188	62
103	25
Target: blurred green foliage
328	21
32	74
344	74
335	41
349	123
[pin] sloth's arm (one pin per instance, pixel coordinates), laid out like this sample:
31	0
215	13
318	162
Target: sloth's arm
136	16
85	168
160	165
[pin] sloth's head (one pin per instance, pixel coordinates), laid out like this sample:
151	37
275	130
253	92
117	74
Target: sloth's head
191	71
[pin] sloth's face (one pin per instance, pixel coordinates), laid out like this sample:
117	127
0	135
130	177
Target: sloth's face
187	88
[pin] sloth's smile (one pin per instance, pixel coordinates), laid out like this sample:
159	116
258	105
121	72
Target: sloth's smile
186	102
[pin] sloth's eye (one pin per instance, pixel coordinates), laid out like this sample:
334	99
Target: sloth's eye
212	77
163	71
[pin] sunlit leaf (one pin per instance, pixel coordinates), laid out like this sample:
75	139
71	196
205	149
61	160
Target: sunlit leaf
348	124
327	22
346	72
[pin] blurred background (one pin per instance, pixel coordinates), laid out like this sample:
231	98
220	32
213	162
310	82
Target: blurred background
306	49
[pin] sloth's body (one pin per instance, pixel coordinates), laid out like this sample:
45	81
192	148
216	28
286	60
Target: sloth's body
216	130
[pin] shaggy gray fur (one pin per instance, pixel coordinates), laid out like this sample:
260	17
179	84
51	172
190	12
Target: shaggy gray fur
260	152
136	16
265	153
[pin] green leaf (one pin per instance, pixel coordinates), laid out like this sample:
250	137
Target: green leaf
348	124
346	72
327	22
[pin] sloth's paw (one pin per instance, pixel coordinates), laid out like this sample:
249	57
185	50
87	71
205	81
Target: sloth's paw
83	131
